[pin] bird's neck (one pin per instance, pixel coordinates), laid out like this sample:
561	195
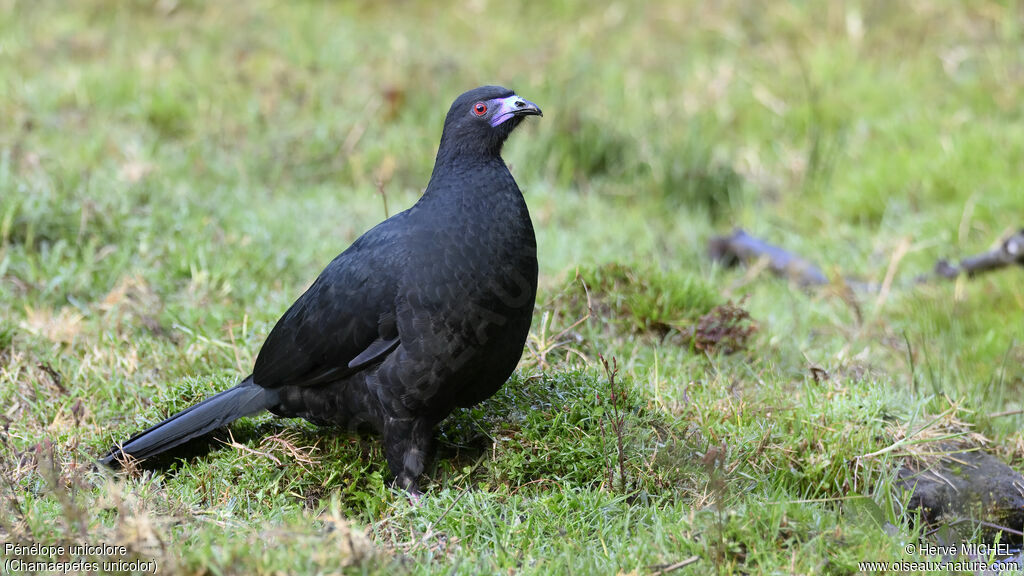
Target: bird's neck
476	183
452	157
469	171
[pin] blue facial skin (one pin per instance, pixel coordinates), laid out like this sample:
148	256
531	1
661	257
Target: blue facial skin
510	107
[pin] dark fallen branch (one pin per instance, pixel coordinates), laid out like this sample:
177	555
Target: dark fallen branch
741	247
1008	253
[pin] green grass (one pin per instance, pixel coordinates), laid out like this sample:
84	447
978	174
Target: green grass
174	174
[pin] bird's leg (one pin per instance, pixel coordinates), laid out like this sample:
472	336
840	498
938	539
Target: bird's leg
407	445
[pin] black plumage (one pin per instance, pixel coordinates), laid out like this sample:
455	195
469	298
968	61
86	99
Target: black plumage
426	312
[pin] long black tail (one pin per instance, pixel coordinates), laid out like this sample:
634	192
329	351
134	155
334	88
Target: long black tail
219	410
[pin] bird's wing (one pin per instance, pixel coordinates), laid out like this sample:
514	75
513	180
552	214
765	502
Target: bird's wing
375	352
343	323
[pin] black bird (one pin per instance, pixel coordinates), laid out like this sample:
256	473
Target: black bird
426	312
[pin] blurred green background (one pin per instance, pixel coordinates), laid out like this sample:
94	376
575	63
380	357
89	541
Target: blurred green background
174	173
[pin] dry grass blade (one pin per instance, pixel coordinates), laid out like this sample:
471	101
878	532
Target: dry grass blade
659	570
919	444
281	444
238	446
540	345
285	442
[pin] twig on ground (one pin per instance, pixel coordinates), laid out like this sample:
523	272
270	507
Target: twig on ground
742	247
1009	252
673	567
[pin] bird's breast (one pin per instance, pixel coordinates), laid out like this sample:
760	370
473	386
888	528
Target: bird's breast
479	259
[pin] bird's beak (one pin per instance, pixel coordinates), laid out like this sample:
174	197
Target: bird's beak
522	107
514	106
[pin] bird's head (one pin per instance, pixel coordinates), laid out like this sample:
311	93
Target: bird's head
480	120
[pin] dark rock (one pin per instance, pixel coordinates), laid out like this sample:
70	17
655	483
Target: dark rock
968	488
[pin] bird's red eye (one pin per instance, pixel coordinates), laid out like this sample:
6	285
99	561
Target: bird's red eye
480	108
